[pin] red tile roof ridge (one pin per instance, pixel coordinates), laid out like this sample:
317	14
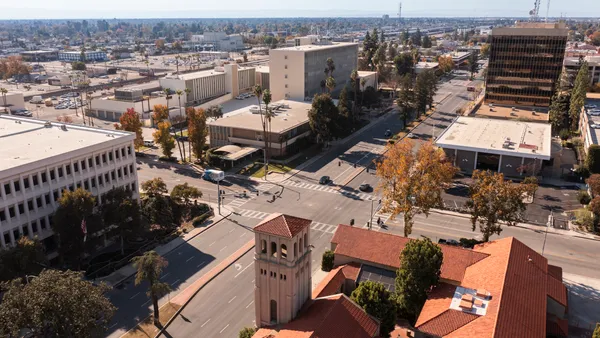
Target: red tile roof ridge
287	225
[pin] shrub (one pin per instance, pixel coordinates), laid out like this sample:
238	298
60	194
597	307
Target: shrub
583	197
564	134
327	262
247	332
469	242
198	220
593	159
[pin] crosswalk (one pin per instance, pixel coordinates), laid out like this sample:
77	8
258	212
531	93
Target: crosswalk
252	214
327	228
327	189
238	202
318	226
384	217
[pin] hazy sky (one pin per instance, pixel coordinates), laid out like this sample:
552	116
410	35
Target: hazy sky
56	9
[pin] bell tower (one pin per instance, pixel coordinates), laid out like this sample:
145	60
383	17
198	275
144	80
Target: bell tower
282	268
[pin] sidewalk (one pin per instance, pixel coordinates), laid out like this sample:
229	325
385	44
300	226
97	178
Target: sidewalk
128	270
571	233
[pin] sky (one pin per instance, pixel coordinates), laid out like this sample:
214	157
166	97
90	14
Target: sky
79	9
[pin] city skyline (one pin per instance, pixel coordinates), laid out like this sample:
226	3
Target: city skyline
70	9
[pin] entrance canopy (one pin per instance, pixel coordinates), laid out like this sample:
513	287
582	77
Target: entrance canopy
234	153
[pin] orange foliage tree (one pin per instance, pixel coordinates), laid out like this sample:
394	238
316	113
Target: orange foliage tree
412	183
130	121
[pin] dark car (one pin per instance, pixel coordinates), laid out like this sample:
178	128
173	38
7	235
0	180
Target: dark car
365	187
325	180
388	133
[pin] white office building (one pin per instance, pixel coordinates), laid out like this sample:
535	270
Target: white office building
296	72
220	41
42	159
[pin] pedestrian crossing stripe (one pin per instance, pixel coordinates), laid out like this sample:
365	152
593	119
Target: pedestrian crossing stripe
318	226
265	187
252	214
328	228
324	188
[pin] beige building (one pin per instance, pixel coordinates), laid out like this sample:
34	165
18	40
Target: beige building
283	268
572	65
243	127
207	85
296	72
14	100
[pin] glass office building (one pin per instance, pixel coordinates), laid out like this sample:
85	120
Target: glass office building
525	63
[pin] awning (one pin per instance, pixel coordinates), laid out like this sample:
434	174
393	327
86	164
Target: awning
236	155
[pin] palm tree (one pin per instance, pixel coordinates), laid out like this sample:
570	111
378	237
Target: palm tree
4	91
330	67
168	94
149	267
177	62
330	83
258	92
187	92
363	83
182	154
267	125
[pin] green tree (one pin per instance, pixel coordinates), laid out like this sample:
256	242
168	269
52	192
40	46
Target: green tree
596	333
345	112
404	37
431	86
376	300
420	269
75	209
426	41
122	212
472	64
330	84
26	258
163	136
322	117
329	68
404	64
149	268
197	130
55	304
354	78
406	98
559	111
130	121
155	187
391	52
215	112
78	65
185	193
421	93
247	332
578	94
412	183
327	261
592	160
416	38
493	200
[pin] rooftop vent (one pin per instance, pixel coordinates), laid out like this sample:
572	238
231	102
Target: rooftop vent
63	127
48	124
482	293
465	305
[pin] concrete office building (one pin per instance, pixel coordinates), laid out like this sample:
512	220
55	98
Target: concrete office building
297	72
76	56
525	63
220	40
572	65
42	159
511	147
262	77
207	85
14	100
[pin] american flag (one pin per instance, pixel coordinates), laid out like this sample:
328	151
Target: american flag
84	229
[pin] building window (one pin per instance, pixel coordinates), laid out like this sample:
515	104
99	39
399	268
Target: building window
286	76
100	181
68	169
76	167
110	156
284	277
55	195
122	152
305	240
273	249
26	182
106	178
117	154
97	160
47	198
25	230
11	212
93	179
112	175
35	180
2	216
129	150
86	185
17	186
30	205
285	67
44	178
104	158
301	246
285	57
295	250
39	202
60	172
52	174
119	174
131	168
42	223
286	85
90	163
7	188
263	246
283	251
34	226
21	208
83	165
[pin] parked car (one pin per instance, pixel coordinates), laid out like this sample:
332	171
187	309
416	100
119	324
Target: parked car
325	180
411	135
365	187
388	133
149	143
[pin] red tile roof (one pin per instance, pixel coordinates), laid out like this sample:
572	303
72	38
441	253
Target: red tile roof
334	280
516	278
328	317
447	322
557	290
384	249
282	225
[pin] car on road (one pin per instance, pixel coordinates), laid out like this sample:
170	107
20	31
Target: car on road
365	187
325	180
411	135
388	133
452	242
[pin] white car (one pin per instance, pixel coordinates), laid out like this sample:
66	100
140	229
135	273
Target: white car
411	135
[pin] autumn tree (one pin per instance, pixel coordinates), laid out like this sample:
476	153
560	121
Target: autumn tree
55	304
155	187
160	113
445	63
149	268
493	200
130	121
121	212
485	50
412	183
247	332
376	300
26	258
184	193
420	269
13	65
197	130
73	219
594	183
163	137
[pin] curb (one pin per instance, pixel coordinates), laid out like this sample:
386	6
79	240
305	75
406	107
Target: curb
230	260
184	241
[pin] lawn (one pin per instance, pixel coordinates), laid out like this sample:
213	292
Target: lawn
146	328
258	170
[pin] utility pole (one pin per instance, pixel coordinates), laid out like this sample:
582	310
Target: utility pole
371	219
219	196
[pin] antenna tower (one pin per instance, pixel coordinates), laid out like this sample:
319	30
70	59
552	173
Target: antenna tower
533	14
547	10
399	13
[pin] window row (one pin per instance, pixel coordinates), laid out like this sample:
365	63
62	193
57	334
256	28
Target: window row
64	170
10	238
273	274
283	250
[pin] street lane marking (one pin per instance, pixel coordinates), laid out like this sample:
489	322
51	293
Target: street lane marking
115	324
189	259
146	302
132	297
230	231
199	265
224	328
211	244
247	306
165	275
174	282
242	235
231	300
239	273
223	248
206	322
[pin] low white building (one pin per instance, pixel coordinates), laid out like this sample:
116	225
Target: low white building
220	40
14	100
42	159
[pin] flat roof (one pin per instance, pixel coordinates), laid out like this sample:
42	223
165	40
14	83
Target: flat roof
530	30
501	137
520	112
290	115
195	75
305	48
593	120
26	141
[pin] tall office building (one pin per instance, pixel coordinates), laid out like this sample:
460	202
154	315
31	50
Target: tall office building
525	63
296	72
